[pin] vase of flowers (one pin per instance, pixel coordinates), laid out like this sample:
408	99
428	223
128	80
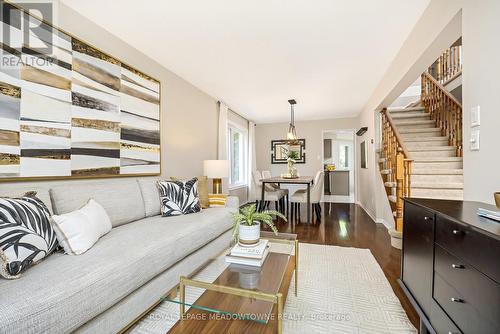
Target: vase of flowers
247	223
291	158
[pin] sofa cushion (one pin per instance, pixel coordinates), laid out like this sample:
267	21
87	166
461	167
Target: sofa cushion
119	263
122	199
26	235
19	189
202	190
150	195
79	230
179	197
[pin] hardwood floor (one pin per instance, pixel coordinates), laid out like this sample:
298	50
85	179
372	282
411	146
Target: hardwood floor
348	225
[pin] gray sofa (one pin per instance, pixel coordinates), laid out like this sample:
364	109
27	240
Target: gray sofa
124	273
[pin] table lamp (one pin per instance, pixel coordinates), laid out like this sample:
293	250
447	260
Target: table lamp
216	170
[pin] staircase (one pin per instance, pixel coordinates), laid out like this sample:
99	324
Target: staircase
421	144
437	171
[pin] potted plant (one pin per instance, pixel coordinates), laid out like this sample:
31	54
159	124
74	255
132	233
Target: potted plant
247	222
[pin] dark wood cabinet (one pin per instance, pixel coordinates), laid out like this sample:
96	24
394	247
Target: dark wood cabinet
419	247
450	267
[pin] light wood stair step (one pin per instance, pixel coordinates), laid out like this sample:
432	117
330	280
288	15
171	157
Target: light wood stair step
403	110
410	115
430	171
450	194
390	184
437	178
432	151
439	159
433	148
438	162
385	171
410	145
436	185
406	123
419	139
392	198
419	131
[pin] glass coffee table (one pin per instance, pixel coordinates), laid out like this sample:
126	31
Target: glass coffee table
242	299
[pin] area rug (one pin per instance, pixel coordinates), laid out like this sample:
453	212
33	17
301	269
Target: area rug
341	290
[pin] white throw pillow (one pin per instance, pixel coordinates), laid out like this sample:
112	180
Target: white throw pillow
79	230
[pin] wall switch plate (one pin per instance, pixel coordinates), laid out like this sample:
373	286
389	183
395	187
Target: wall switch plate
475	116
474	139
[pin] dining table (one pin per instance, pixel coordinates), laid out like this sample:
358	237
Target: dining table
301	180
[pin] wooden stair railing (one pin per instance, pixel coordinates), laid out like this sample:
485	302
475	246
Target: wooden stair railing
444	109
399	164
448	66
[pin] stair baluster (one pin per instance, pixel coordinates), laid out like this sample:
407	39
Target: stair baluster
444	109
398	162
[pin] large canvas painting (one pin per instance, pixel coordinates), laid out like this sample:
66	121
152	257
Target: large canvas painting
73	112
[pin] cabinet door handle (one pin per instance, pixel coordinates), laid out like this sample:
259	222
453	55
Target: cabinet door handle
452	333
428	219
457	300
457	232
458	266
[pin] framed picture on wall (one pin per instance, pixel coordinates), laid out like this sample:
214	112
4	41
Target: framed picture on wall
280	149
364	153
85	114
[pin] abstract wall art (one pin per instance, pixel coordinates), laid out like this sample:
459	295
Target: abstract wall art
74	111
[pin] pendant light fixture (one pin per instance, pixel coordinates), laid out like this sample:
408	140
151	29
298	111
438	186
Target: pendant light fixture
291	135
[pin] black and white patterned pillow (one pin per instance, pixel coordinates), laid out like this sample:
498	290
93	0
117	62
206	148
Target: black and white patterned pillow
179	198
26	234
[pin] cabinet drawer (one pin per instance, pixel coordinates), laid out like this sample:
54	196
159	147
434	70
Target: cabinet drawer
465	315
479	250
441	322
477	290
418	254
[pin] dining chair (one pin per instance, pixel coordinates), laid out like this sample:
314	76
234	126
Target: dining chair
270	194
300	196
284	201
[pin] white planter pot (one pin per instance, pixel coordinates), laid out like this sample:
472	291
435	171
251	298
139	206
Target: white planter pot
396	239
249	235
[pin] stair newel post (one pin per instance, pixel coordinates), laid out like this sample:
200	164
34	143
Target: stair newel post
407	179
389	152
400	175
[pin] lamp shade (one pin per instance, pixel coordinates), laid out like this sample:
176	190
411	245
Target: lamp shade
216	169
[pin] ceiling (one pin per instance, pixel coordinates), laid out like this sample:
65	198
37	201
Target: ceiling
254	55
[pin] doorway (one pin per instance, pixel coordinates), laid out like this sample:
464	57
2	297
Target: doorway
339	166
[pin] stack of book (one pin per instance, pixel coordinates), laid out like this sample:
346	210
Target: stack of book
249	256
495	215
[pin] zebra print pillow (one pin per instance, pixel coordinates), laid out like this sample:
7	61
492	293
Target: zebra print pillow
179	198
26	234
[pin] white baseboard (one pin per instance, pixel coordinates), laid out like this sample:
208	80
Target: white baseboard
384	222
337	199
368	213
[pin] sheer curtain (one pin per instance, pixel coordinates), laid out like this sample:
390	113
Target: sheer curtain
251	163
222	152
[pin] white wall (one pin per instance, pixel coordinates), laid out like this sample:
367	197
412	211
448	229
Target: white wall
481	86
189	117
311	131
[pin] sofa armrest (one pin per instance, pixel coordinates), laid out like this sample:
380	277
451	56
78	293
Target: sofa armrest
233	203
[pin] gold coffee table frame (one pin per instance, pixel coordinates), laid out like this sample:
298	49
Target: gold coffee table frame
268	297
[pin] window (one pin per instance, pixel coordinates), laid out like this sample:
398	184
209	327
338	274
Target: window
237	155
